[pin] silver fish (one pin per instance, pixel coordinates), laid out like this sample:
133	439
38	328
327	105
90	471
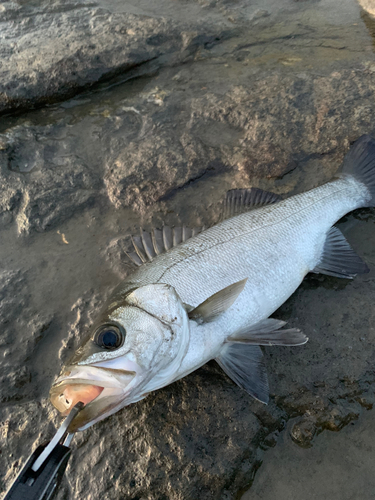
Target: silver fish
208	295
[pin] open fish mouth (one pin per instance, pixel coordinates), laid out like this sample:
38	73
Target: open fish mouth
68	395
101	390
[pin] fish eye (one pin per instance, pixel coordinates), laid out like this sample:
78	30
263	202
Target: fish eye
109	337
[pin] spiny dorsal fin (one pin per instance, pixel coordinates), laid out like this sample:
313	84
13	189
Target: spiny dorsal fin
245	366
267	332
238	201
217	303
338	258
148	245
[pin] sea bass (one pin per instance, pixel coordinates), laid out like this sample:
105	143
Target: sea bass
211	296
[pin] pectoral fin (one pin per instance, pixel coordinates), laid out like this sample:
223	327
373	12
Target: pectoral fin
268	332
244	364
338	258
217	303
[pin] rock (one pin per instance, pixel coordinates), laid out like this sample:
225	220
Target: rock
45	181
17	347
51	171
368	5
51	50
303	432
219	106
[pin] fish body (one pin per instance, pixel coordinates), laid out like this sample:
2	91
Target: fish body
242	269
274	247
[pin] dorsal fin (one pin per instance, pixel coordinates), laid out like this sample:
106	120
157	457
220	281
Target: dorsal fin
147	246
238	201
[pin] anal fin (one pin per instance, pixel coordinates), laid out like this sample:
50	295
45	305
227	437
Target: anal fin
244	364
338	258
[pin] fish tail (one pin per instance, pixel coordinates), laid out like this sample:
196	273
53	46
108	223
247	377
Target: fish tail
360	164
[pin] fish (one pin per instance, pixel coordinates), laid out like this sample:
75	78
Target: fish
203	294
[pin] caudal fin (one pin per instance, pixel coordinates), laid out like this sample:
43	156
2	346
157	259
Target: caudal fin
360	163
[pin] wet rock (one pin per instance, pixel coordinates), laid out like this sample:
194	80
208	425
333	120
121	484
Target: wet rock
303	432
15	375
338	466
270	441
333	418
318	410
236	132
192	121
137	153
368	5
45	178
51	50
79	177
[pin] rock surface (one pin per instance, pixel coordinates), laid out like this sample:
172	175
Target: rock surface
136	153
368	5
215	105
53	49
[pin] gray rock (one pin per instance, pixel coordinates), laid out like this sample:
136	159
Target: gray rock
46	180
51	49
275	106
234	131
136	154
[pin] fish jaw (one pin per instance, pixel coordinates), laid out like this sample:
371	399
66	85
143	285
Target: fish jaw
102	390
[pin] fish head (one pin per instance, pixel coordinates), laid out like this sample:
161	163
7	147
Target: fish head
135	346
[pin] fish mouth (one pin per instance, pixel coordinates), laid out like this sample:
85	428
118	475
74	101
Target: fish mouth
102	391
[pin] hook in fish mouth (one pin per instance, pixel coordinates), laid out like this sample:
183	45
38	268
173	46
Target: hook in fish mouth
101	390
65	396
